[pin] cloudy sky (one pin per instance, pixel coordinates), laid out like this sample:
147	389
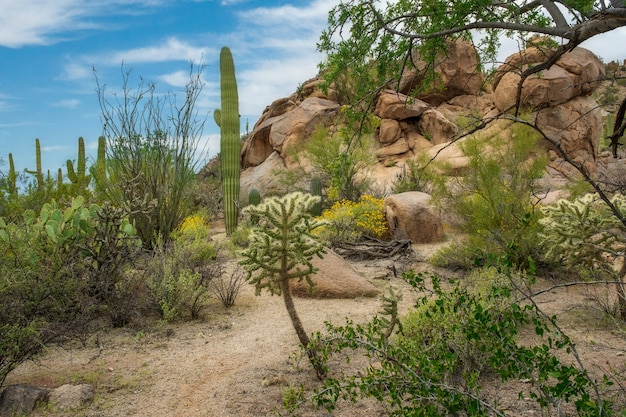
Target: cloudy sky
49	48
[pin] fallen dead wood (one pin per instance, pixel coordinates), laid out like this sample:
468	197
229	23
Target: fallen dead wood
370	248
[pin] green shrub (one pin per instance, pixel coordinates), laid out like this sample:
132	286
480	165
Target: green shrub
340	162
178	268
416	175
454	338
494	201
60	270
178	292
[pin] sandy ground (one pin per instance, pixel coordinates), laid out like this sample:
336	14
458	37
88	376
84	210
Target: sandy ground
238	362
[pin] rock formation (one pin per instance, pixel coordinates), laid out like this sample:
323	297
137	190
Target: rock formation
428	123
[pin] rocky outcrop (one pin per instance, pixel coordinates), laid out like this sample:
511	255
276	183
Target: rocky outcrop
430	122
576	74
275	133
576	125
411	216
458	73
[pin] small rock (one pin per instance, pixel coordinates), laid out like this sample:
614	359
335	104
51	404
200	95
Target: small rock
67	397
21	399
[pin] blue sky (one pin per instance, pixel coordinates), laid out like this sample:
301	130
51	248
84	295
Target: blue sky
49	47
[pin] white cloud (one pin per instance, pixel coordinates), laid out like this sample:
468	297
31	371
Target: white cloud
172	49
77	71
71	103
44	22
48	149
231	2
278	51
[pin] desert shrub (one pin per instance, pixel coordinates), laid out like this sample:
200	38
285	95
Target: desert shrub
341	163
207	192
151	154
349	221
176	270
416	175
453	339
60	270
192	242
224	284
494	202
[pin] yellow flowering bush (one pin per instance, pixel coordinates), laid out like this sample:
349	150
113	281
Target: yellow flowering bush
192	226
349	221
192	241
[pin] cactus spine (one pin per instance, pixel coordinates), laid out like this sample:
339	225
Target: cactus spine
227	118
12	178
316	189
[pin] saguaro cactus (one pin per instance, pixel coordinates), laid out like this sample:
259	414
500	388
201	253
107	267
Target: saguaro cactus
99	172
254	199
12	178
316	189
38	173
227	118
79	177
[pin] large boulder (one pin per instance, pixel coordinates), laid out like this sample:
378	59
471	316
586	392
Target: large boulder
410	215
458	73
576	126
262	177
576	73
436	127
275	133
397	106
335	278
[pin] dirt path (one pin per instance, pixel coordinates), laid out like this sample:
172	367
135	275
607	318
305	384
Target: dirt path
237	361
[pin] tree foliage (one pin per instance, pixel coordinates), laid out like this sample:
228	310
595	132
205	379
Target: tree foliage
376	41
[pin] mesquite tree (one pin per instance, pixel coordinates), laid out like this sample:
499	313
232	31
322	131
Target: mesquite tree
281	249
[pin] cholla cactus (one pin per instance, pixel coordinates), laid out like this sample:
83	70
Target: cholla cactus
584	231
281	248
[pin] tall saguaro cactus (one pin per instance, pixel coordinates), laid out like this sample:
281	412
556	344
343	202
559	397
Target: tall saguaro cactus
79	177
12	178
99	171
227	118
39	171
